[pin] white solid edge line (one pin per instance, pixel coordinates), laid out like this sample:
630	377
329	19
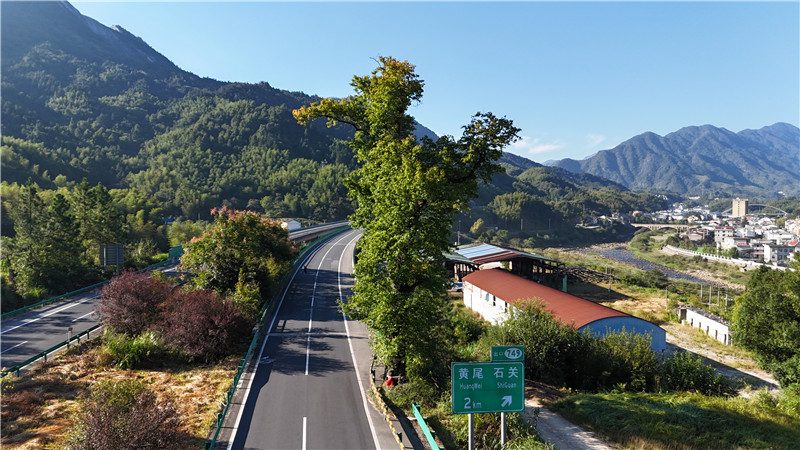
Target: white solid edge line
353	355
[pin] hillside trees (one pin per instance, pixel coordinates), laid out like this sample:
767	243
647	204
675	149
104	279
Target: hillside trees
408	192
51	237
767	321
26	252
98	219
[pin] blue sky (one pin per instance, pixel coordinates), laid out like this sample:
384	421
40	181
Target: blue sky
576	77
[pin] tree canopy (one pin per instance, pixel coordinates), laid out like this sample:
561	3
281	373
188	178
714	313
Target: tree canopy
767	321
239	248
408	192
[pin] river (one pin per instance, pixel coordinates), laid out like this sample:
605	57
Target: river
626	256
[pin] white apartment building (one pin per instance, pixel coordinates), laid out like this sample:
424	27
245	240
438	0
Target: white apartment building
780	254
722	232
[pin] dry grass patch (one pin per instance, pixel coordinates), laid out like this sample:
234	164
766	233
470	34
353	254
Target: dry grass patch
39	408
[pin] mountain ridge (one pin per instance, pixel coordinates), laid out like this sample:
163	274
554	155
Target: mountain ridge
704	158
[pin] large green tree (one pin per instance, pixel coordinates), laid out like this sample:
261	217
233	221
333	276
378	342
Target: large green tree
767	321
28	249
239	248
408	192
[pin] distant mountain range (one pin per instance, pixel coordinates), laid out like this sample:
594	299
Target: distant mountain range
82	100
703	160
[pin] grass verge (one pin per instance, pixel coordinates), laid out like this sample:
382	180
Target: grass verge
683	420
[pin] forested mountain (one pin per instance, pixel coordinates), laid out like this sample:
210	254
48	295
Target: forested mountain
703	160
82	100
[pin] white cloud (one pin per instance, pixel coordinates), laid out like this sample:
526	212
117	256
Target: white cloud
594	140
526	144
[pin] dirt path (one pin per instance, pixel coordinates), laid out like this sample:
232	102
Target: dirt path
552	428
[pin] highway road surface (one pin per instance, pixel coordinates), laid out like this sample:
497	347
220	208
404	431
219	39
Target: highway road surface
29	334
306	392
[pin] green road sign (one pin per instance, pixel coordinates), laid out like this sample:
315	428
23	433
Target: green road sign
488	387
508	353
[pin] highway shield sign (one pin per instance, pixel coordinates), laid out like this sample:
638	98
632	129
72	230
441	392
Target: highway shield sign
508	353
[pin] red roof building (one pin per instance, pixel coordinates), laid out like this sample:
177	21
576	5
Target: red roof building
491	292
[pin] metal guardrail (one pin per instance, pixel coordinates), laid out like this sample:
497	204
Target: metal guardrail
43	355
429	434
284	282
50	300
301	233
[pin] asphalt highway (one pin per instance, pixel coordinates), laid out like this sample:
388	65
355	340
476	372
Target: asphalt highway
306	392
31	333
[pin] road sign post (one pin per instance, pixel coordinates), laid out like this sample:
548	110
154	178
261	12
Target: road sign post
488	387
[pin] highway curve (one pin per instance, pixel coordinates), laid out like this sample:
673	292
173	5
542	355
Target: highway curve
306	392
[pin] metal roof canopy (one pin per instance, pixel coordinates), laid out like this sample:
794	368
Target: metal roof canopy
485	253
469	258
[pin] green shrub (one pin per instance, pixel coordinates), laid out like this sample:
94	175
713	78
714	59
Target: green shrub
684	371
552	349
467	326
789	400
415	390
649	279
247	298
786	372
628	360
129	352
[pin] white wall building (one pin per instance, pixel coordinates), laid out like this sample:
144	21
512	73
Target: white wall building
290	224
712	325
780	254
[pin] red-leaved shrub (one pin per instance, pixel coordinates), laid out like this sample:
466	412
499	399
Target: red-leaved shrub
130	302
124	414
203	325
